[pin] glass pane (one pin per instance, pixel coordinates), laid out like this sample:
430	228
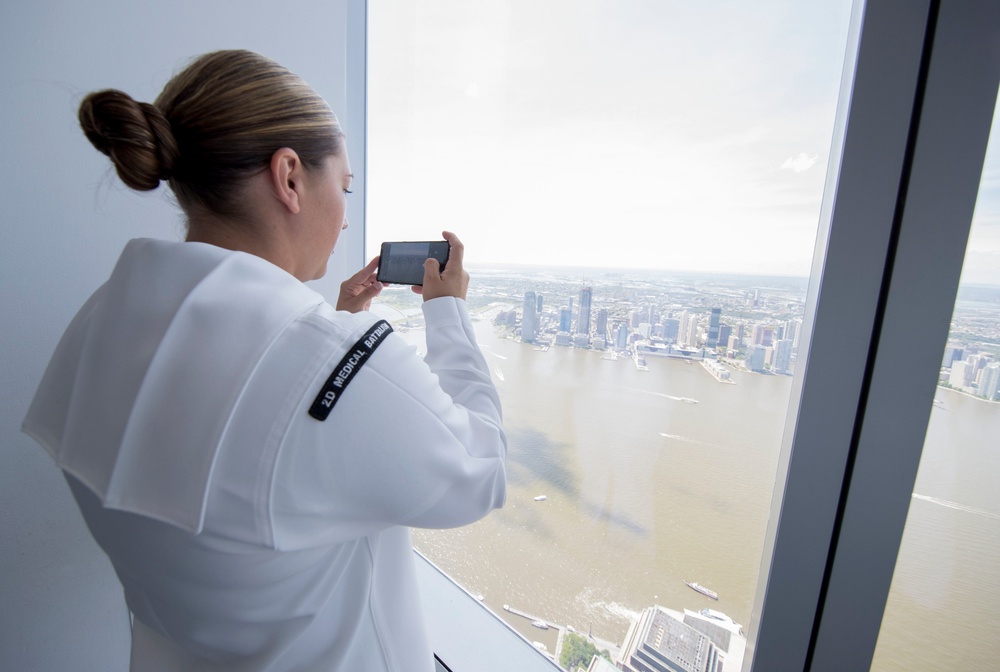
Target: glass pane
943	610
638	186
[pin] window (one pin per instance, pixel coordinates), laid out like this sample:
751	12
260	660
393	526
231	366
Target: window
945	596
835	521
638	186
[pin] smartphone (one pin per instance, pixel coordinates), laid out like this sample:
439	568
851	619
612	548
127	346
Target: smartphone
402	263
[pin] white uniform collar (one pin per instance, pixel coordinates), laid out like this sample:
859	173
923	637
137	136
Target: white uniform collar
140	390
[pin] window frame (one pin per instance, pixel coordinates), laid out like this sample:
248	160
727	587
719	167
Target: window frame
917	98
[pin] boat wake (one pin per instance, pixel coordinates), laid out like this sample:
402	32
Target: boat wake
675	437
686	400
957	506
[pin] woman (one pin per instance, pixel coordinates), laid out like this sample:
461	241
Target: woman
248	456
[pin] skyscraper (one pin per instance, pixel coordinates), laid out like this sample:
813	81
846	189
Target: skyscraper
602	323
671	328
621	338
565	319
713	328
690	335
725	331
959	375
656	642
989	385
529	319
583	320
755	357
783	356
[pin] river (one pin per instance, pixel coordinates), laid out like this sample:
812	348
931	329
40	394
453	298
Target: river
654	477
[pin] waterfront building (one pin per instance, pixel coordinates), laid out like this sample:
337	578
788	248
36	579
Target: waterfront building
762	335
660	642
566	318
713	328
690	336
648	647
529	318
682	325
755	357
960	375
725	331
792	330
952	353
734	343
621	338
602	323
783	356
671	328
583	319
989	384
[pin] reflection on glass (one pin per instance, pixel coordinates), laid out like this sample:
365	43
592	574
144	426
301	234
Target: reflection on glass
943	610
638	187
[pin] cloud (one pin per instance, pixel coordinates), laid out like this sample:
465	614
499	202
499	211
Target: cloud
800	163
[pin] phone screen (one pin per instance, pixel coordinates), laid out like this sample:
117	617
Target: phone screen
402	263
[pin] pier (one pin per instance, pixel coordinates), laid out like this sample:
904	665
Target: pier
561	631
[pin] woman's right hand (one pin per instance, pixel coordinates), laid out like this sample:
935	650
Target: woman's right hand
453	281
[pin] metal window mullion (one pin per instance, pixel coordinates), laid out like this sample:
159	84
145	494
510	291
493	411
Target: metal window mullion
937	206
866	169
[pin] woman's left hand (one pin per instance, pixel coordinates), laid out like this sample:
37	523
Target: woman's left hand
357	292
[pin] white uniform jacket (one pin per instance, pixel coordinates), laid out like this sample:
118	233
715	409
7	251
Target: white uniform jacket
248	534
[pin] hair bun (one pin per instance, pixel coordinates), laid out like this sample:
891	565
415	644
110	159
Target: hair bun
135	135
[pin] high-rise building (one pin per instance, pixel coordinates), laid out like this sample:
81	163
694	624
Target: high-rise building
734	344
792	330
989	384
682	325
671	328
539	309
725	331
583	320
565	319
713	328
783	356
959	375
621	338
658	642
529	319
602	323
755	357
951	353
690	336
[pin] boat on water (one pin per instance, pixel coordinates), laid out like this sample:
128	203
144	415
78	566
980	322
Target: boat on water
541	498
702	589
540	624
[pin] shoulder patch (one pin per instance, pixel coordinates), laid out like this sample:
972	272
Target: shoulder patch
345	371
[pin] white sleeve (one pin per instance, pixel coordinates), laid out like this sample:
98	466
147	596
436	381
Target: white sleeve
411	441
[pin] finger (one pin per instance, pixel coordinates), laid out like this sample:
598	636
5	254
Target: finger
457	251
432	269
368	270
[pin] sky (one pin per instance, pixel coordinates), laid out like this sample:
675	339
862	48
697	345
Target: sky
664	134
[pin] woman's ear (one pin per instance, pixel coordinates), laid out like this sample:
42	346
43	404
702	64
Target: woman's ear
286	173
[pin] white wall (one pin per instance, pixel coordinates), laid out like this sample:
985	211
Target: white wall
66	217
